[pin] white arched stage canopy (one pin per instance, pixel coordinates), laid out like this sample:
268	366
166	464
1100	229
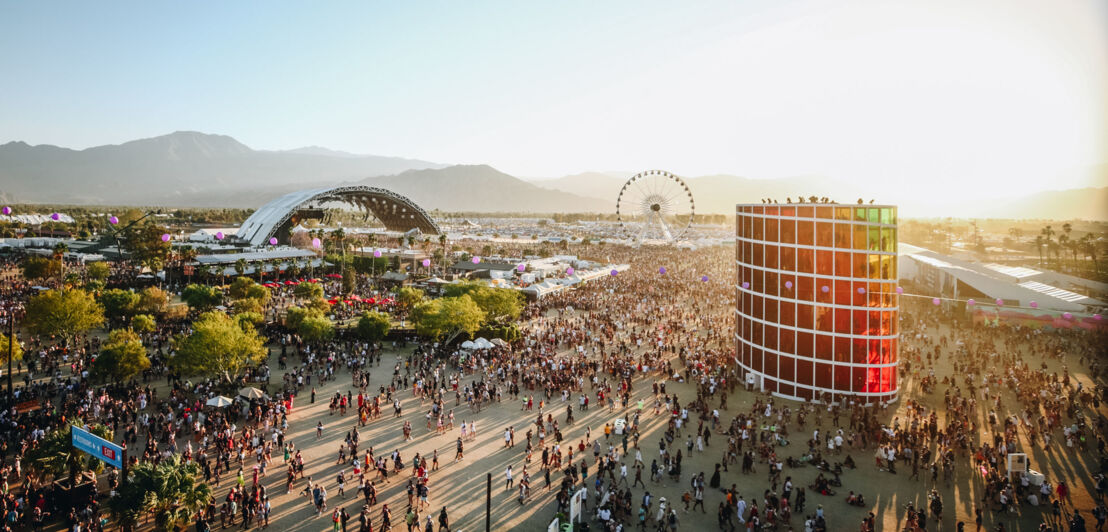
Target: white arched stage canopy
274	219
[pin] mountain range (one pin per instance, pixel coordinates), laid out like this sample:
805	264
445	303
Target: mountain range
190	169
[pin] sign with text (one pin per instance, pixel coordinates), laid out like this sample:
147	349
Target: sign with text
98	447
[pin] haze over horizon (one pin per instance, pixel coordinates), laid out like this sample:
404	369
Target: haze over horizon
990	99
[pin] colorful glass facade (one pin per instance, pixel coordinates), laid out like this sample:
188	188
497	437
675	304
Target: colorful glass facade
816	300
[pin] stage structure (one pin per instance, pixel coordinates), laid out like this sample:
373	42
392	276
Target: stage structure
817	303
276	218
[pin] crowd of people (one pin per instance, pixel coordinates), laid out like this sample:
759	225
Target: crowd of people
620	392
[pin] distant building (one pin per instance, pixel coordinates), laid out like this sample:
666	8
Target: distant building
816	298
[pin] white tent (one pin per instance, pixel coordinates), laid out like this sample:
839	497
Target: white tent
468	345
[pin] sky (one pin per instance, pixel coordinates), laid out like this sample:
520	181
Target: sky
984	98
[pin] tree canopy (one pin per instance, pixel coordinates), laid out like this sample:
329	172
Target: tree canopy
118	303
121	357
98	270
308	291
316	328
37	268
409	297
218	345
373	326
500	304
447	316
145	246
153	300
65	313
55	453
17	349
143	323
201	297
173	490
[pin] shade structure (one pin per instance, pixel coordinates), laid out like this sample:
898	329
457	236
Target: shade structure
468	345
499	343
220	401
251	392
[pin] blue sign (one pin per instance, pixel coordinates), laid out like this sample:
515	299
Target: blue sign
98	447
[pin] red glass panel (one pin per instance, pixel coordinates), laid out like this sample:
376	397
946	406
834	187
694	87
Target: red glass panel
756	359
842	236
825	319
771	230
824	262
804	261
788	313
804	344
788	258
842	349
842	292
788	231
824	346
787	341
757	226
771	257
842	378
804	371
823	375
804	316
842	264
770	337
824	232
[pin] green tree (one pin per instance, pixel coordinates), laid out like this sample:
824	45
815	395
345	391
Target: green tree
217	345
409	297
308	290
295	315
259	292
145	246
143	323
240	286
118	303
65	313
98	270
240	266
316	328
153	300
173	490
499	304
252	319
201	297
373	326
349	282
447	317
36	268
17	349
121	357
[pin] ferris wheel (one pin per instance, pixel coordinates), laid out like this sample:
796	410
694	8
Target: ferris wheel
655	205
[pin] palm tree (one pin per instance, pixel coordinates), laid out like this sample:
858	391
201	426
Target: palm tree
240	266
1016	233
1039	243
172	490
1048	234
1088	248
60	249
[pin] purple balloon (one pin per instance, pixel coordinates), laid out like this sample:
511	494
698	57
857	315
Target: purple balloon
55	217
426	262
861	290
1034	305
219	235
825	289
662	270
999	302
789	285
569	271
165	237
316	243
1096	317
475	260
1068	316
7	210
936	301
971	302
615	272
521	268
746	284
899	290
113	220
704	278
377	253
273	241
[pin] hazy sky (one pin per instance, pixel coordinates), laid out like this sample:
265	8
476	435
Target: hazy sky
995	97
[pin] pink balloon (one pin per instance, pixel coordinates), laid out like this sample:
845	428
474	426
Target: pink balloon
426	262
113	220
899	290
789	285
273	241
569	271
936	301
1096	317
662	270
825	289
377	253
615	272
219	235
316	243
1034	305
999	302
704	278
746	284
475	260
521	268
7	210
861	290
55	217
971	302
165	237
1068	316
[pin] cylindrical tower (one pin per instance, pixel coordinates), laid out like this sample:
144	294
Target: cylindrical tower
816	300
